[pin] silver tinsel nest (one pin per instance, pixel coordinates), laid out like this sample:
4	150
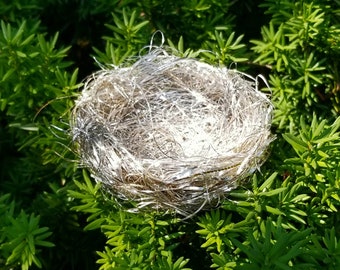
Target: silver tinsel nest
171	133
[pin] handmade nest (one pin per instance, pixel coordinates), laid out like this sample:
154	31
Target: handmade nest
171	133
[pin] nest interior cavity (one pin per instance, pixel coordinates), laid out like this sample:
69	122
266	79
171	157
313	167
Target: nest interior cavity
171	133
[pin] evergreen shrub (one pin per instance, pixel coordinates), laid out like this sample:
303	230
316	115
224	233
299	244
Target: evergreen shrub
54	216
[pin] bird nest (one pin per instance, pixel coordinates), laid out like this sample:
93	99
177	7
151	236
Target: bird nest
171	133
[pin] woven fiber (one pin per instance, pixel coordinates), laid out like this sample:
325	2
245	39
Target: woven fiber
171	134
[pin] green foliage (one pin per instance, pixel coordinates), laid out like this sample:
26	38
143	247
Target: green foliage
52	214
326	250
36	92
317	166
301	47
20	237
225	51
187	18
130	35
133	241
273	248
126	40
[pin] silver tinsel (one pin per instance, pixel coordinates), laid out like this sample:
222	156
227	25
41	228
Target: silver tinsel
170	133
